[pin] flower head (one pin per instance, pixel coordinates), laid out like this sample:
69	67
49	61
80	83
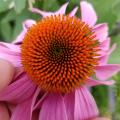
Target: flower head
55	59
59	53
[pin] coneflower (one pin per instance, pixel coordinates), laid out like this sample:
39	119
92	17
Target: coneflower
56	59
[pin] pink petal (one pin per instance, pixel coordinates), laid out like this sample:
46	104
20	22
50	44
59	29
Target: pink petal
53	108
28	23
105	45
88	13
62	9
20	37
10	53
73	12
85	106
69	103
103	59
101	31
11	47
92	82
104	72
45	14
40	101
40	12
18	91
22	111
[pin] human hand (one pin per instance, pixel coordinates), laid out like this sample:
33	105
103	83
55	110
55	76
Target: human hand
6	75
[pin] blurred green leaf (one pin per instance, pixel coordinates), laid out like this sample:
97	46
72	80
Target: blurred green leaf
105	11
5	5
116	88
6	31
116	10
100	94
115	56
9	16
20	5
50	5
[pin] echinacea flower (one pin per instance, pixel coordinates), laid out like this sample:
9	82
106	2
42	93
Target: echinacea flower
55	61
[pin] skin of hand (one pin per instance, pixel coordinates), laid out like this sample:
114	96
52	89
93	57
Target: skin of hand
7	71
6	74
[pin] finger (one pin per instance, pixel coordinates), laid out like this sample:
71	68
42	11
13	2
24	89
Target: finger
6	73
4	114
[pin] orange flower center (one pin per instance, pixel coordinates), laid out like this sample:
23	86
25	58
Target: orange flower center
59	53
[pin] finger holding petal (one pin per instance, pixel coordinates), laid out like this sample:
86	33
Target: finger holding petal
23	111
25	108
18	91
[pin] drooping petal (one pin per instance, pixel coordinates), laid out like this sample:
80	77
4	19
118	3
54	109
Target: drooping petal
88	13
10	53
22	111
19	90
12	47
53	108
92	82
45	13
69	104
73	12
104	72
101	31
85	106
42	97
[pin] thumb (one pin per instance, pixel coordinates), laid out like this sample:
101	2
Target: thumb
6	73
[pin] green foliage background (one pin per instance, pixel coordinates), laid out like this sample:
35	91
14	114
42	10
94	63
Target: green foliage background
14	12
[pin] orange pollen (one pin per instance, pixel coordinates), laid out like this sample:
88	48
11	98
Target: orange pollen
59	53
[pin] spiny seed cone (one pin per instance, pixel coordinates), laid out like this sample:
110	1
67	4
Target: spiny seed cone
59	53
